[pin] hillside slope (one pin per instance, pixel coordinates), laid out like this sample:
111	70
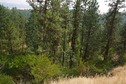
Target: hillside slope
116	76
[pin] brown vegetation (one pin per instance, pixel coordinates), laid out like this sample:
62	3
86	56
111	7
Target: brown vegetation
116	76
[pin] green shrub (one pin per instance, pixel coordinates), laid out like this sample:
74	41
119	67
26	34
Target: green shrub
104	66
123	61
4	79
43	69
19	67
78	70
69	71
3	60
31	67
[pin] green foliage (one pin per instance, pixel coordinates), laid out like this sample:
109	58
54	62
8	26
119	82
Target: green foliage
43	69
31	67
3	20
78	70
25	13
33	33
3	59
54	34
81	68
19	67
123	59
19	62
11	30
4	79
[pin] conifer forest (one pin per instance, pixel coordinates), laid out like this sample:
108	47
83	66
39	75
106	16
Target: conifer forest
61	38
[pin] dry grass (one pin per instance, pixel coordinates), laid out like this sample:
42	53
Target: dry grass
116	76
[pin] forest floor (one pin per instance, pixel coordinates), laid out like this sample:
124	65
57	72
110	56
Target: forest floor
116	76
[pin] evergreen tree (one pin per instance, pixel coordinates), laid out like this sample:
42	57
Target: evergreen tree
66	28
33	39
110	25
50	21
11	35
90	29
3	18
76	25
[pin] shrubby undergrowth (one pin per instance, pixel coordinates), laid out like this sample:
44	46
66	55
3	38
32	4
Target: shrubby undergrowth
4	79
30	68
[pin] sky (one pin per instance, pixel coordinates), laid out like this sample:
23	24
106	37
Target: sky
22	4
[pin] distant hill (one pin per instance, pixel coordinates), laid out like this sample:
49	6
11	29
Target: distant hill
11	5
25	13
122	15
25	10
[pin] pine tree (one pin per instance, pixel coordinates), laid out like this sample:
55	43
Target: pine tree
50	21
76	25
110	24
90	28
33	40
11	27
3	18
66	28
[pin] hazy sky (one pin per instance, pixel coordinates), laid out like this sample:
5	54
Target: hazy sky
23	4
15	1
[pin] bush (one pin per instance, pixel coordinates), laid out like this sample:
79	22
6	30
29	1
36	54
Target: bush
69	72
78	70
4	79
43	70
19	67
31	67
3	60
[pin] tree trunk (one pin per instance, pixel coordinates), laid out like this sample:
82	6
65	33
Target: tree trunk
76	23
87	45
110	31
73	44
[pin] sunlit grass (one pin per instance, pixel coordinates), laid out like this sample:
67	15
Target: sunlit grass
116	76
